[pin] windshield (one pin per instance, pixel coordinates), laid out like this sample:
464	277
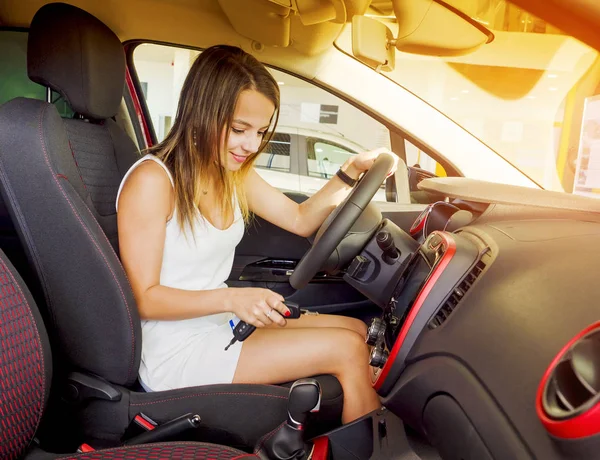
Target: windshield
527	94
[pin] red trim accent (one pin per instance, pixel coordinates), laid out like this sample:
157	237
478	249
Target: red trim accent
580	426
418	224
144	423
138	108
450	249
85	448
321	450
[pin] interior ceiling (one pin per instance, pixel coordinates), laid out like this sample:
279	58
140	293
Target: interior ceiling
578	18
180	21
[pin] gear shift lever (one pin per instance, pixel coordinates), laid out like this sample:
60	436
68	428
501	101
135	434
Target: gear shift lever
288	441
305	397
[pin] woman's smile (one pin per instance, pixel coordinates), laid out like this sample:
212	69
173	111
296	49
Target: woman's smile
239	158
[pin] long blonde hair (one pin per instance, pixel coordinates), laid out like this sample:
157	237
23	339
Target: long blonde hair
193	148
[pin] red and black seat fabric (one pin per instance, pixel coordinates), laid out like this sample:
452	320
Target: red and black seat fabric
58	179
25	380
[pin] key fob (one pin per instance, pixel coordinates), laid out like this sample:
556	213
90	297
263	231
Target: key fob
243	330
295	311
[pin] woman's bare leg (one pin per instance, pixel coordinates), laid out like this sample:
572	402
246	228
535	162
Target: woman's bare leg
344	322
272	356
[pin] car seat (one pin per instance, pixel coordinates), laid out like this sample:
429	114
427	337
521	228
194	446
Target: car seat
25	376
58	179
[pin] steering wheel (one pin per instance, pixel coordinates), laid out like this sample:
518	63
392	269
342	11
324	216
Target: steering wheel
340	221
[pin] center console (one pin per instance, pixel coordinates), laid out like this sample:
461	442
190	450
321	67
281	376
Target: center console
416	282
415	285
424	295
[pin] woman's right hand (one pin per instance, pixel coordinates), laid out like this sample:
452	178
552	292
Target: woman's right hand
257	306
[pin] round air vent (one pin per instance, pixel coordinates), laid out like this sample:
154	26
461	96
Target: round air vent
568	399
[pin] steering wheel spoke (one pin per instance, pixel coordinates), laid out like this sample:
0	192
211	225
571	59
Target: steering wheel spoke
340	221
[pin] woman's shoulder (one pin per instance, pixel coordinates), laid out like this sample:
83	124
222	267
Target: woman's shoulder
148	181
149	174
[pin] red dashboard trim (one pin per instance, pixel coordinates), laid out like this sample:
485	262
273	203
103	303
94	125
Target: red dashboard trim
419	224
450	249
580	426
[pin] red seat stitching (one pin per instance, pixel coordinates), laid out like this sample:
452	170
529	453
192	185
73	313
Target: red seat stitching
158	445
39	339
268	436
208	394
94	242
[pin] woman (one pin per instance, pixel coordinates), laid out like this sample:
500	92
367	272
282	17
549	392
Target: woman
181	213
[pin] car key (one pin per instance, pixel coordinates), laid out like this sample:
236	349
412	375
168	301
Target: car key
242	330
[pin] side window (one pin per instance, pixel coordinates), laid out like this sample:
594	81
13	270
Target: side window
14	81
276	156
416	158
336	128
325	158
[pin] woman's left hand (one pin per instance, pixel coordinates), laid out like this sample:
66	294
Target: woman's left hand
357	164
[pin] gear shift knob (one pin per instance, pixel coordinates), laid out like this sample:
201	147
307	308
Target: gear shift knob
287	443
304	397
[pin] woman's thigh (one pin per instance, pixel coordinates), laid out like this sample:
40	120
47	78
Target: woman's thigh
312	321
272	356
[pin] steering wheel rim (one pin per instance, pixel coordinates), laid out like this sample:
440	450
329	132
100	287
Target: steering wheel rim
332	231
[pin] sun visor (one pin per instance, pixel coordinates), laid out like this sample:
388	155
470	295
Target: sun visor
434	27
310	26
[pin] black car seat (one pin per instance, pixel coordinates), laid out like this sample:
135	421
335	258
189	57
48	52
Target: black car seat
25	376
59	179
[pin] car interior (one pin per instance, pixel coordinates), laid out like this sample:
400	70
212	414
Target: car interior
478	294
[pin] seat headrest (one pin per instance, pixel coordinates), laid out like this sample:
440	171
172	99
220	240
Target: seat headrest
78	56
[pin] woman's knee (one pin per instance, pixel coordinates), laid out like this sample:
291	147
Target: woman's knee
351	349
359	326
352	324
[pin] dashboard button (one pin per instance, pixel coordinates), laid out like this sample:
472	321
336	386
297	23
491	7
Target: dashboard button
376	330
378	357
358	267
434	241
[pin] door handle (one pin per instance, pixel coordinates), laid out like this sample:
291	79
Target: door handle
268	270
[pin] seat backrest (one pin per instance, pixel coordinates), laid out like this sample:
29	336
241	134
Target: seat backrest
25	364
79	57
59	180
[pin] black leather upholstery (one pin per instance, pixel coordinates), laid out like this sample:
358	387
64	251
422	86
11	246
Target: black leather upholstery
79	57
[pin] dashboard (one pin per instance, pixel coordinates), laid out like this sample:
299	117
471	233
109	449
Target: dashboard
476	323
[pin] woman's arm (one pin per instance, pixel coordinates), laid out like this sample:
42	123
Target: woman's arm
145	205
305	218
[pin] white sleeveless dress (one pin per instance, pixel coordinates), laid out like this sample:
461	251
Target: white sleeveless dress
185	353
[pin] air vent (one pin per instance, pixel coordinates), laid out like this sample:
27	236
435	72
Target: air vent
568	396
459	292
574	386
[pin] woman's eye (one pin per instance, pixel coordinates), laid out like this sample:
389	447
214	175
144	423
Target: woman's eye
261	134
237	131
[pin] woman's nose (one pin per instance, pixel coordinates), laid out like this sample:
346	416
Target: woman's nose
251	143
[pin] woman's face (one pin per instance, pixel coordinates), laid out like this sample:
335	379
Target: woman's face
251	120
